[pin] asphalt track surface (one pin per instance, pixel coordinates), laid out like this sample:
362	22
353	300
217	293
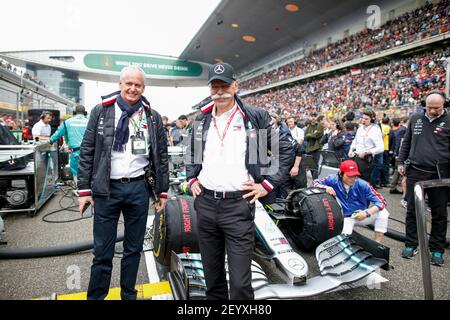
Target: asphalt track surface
37	278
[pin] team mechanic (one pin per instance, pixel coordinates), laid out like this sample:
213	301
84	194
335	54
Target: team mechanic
425	155
354	195
225	174
124	141
73	131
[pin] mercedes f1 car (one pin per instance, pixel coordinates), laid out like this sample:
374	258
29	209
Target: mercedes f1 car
311	220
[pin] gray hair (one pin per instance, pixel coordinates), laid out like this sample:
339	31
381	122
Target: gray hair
131	68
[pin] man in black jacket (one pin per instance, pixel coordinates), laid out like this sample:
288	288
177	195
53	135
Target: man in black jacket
313	135
124	145
425	152
227	173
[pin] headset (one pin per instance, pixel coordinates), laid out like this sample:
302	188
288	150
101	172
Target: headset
439	92
372	115
45	113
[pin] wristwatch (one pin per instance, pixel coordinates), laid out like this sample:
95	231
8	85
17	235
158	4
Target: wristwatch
367	214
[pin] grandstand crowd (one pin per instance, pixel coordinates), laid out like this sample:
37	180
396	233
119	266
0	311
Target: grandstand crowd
426	21
400	81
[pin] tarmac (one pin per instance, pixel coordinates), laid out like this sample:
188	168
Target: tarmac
41	277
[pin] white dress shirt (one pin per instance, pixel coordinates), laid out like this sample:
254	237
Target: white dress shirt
223	167
126	164
298	134
41	129
368	139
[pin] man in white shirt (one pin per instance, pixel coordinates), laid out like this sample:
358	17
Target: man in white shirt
42	129
368	142
296	132
226	177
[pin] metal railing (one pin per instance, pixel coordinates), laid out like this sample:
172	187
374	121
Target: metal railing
419	195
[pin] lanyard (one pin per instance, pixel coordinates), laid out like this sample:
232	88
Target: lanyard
222	137
137	126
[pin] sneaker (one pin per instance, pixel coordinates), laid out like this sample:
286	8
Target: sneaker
409	252
437	258
404	203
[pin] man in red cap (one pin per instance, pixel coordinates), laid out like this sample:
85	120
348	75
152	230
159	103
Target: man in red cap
354	195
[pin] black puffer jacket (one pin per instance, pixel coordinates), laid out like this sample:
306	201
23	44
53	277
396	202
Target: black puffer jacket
94	168
256	120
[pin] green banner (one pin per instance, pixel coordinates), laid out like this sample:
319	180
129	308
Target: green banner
151	65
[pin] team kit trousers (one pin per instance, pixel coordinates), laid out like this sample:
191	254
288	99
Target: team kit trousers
225	226
437	201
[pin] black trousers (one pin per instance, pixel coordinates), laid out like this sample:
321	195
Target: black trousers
316	156
226	226
132	199
293	183
365	167
437	199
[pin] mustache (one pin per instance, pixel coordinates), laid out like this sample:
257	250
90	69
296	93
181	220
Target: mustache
222	96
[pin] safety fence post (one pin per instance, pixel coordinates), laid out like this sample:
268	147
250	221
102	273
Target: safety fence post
419	195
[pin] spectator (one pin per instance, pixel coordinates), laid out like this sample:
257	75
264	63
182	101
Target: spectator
175	133
407	28
349	136
336	139
398	132
313	135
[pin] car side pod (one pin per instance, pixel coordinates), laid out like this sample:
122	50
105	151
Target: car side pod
290	262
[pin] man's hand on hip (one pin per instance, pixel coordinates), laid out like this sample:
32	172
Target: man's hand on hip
256	190
196	189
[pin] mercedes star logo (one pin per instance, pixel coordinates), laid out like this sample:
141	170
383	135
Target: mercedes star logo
295	264
219	69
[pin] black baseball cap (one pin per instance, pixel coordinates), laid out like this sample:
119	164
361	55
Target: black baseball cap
221	71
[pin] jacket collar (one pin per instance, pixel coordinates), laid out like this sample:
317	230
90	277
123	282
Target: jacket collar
111	99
